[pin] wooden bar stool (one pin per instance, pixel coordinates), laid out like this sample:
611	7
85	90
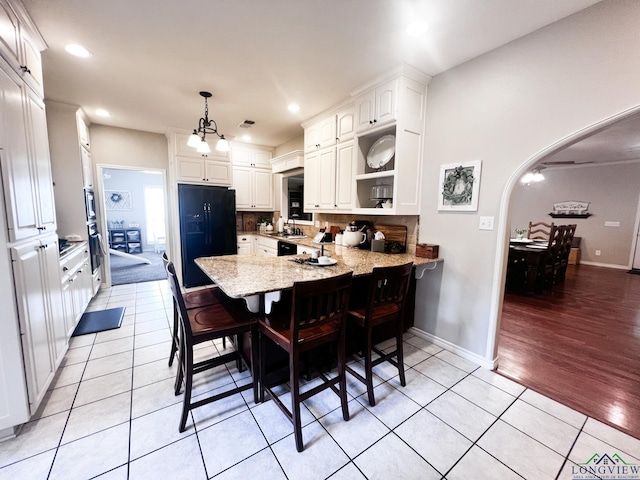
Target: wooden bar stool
196	299
385	304
203	324
317	317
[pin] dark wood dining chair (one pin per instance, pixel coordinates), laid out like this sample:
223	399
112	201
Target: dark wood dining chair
195	299
317	317
563	255
385	305
551	257
204	324
539	230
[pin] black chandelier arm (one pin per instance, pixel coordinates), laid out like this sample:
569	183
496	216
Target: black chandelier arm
204	127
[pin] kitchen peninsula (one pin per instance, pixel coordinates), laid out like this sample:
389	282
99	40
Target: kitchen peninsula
249	276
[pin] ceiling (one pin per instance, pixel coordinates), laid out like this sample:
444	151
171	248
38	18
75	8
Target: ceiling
619	142
150	59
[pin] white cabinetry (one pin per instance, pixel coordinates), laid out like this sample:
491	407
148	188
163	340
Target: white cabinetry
19	46
33	339
85	148
245	244
77	281
192	167
267	247
203	171
399	108
320	134
71	165
42	322
377	107
26	170
252	178
329	169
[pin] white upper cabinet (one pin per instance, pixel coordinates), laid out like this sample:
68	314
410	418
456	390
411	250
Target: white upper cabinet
46	209
328	162
249	156
31	63
9	35
254	188
252	177
203	171
345	125
321	134
83	132
28	186
20	46
345	170
189	166
320	180
184	150
390	123
377	107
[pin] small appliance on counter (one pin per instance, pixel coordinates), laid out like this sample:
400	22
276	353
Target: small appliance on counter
364	227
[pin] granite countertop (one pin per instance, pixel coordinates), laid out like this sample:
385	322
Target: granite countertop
245	275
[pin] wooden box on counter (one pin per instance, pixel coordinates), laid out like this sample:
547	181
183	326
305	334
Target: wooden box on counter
426	250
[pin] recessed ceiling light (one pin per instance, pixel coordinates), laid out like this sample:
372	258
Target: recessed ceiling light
102	113
294	108
416	29
246	138
78	50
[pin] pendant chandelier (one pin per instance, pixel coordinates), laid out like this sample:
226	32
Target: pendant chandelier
198	137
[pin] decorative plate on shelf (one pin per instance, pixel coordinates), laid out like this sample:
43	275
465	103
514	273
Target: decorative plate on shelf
382	151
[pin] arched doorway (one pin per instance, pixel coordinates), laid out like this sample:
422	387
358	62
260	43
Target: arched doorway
539	310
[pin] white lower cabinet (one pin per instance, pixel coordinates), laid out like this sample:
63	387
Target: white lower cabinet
41	313
77	285
267	247
245	246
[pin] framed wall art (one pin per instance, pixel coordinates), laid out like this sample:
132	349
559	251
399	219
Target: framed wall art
117	200
459	186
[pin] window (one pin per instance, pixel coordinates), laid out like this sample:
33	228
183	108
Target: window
154	212
295	198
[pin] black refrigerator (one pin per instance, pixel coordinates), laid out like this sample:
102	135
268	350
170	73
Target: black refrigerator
207	228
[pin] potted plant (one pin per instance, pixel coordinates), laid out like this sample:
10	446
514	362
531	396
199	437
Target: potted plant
520	232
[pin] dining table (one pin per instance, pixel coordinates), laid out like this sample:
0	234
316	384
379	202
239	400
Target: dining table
524	262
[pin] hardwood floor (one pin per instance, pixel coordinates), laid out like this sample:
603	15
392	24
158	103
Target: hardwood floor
579	344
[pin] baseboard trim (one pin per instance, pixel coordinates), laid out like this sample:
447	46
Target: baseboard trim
472	357
605	265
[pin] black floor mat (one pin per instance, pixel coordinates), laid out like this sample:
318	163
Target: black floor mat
98	321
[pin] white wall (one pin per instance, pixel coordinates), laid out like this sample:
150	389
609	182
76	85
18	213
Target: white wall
504	108
612	191
129	148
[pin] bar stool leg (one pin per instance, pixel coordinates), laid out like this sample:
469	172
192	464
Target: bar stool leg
400	354
295	399
368	367
174	334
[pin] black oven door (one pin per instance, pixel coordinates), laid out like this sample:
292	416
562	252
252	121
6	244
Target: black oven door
90	204
95	252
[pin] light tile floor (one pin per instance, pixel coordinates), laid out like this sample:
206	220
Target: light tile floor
111	413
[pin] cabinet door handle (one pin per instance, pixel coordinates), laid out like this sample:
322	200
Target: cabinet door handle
374	120
25	69
64	269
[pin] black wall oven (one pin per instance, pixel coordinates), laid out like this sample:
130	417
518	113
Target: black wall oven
95	250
